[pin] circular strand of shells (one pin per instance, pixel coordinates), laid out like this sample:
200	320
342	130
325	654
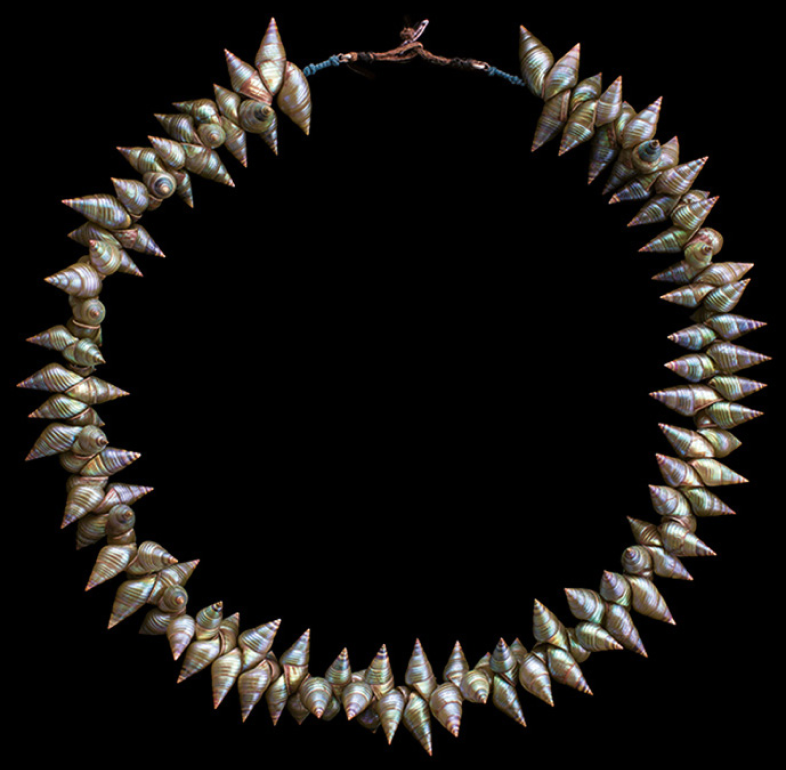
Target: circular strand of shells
622	141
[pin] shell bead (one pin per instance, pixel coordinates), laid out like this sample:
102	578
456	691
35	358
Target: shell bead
643	169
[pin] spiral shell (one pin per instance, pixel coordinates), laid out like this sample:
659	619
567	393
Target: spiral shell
534	678
228	102
687	400
730	326
565	670
235	140
504	697
256	643
294	98
179	633
339	673
390	708
648	601
79	280
552	119
445	705
252	684
580	126
316	694
271	57
206	163
687	443
356	697
535	59
729	415
714	473
594	638
379	673
417	720
294	661
693	367
246	80
419	675
103	210
732	358
503	663
259	118
679	179
585	604
546	627
643	126
457	666
682	542
619	624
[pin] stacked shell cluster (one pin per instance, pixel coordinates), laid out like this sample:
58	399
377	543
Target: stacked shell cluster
641	169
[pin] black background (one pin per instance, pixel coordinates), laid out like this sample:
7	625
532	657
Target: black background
393	385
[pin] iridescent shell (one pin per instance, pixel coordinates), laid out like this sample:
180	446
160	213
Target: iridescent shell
259	118
579	653
677	473
356	697
714	473
379	673
729	415
643	127
610	104
256	643
316	694
691	216
228	102
206	162
294	98
595	638
180	127
235	140
687	443
445	705
111	561
687	400
252	684
103	210
694	337
725	298
476	685
679	179
730	326
224	672
693	367
419	675
732	358
644	532
733	388
648	601
55	438
276	695
546	627
339	673
637	560
706	503
503	663
534	678
619	624
180	632
552	119
657	209
417	720
563	75
565	670
580	126
668	501
295	661
390	708
504	697
79	280
666	564
271	58
246	80
722	441
585	604
132	195
130	596
369	718
535	61
204	111
669	241
682	542
603	150
679	272
456	666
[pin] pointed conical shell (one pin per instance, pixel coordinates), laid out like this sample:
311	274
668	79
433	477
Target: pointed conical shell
682	542
694	337
199	655
208	621
733	388
419	674
315	694
534	678
294	660
111	561
722	441
228	102
565	670
730	326
53	378
680	272
647	600
643	126
445	705
504	697
356	697
78	280
81	500
151	557
206	163
109	461
546	627
677	473
276	696
668	501
390	708
271	58
180	632
610	103
180	127
55	438
603	150
706	503
103	210
732	358
687	399
456	666
339	673
518	649
693	367
585	604
379	673
637	560
246	80
294	98
258	118
257	642
619	624
691	216
580	127
715	474
503	663
224	673
130	596
679	179
656	209
535	60
688	296
203	111
417	720
724	272
552	119
615	588
729	415
563	75
476	685
667	564
235	140
296	708
594	638
251	686
687	443
171	152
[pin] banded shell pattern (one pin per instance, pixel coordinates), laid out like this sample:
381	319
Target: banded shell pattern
580	111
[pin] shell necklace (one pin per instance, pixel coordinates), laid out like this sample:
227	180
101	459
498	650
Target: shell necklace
576	111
